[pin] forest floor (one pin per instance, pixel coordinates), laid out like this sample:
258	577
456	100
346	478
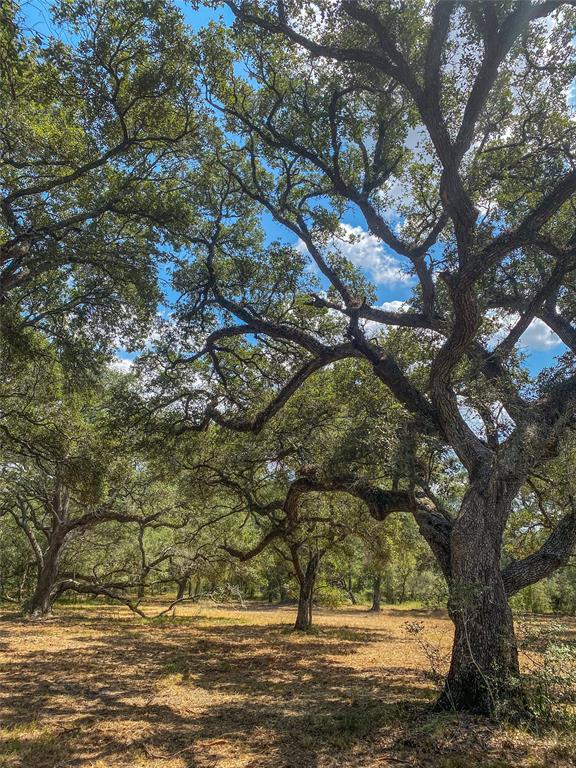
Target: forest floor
96	687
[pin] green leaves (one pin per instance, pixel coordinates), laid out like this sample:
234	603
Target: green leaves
102	122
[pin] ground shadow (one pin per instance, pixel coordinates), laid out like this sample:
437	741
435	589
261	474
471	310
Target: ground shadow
87	690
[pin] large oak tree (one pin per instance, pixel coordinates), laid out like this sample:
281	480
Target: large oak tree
445	128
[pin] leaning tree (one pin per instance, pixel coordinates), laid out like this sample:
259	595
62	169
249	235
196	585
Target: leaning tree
67	469
444	128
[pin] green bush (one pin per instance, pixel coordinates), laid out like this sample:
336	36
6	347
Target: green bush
551	684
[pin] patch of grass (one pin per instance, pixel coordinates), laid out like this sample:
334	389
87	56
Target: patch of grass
29	744
176	667
408	605
349	635
218	686
464	762
229	620
437	724
361	718
356	722
169	621
338	633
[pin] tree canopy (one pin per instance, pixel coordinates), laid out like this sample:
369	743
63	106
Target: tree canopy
96	121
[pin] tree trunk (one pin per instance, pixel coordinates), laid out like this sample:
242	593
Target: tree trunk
22	584
304	615
270	590
181	588
376	593
484	671
40	604
402	598
306	595
350	591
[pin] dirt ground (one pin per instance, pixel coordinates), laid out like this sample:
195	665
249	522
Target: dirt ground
96	687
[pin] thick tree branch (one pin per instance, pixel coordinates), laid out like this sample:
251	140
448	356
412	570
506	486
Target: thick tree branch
552	555
244	555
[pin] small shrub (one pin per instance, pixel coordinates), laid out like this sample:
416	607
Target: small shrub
330	597
436	657
551	683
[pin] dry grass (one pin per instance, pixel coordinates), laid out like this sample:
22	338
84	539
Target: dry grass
97	688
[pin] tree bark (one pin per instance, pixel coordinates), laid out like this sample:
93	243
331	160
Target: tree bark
181	588
350	591
22	584
40	604
376	594
306	595
484	671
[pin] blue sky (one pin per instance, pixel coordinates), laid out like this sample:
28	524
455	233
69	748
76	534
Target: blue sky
378	262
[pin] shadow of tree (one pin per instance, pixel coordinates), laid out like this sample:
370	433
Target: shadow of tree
280	696
90	691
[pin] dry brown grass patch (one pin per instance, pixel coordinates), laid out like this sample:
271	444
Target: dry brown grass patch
227	688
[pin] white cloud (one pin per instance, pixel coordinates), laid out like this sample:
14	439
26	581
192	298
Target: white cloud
394	306
366	251
121	364
539	337
373	328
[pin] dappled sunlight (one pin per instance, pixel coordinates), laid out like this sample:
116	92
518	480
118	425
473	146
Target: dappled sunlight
229	687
